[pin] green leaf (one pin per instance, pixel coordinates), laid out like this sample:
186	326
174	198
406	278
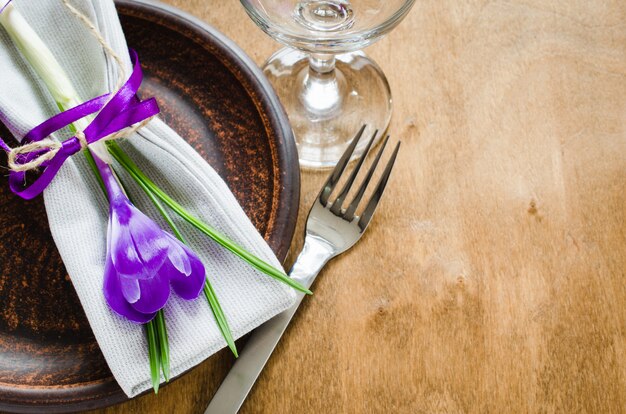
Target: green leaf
164	347
220	318
153	354
254	261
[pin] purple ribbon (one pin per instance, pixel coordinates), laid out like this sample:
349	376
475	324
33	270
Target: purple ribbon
121	111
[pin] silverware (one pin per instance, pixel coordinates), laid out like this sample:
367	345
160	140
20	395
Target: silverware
330	231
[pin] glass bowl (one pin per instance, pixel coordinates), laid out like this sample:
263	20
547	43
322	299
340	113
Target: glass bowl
328	86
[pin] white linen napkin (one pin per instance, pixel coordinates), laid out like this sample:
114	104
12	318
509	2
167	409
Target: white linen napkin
78	211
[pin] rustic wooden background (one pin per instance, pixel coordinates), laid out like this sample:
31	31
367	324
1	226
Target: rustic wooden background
493	277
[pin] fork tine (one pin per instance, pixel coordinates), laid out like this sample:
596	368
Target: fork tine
380	188
332	181
336	207
349	214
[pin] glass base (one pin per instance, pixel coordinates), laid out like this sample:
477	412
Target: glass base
326	110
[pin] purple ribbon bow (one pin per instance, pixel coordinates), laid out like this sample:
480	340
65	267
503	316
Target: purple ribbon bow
121	111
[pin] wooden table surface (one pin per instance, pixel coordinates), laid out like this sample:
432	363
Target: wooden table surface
493	276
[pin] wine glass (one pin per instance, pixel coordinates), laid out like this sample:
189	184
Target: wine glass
327	85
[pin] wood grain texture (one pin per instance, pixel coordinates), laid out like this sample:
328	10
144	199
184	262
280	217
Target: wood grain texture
493	277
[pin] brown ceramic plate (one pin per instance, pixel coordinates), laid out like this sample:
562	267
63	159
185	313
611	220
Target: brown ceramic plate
213	95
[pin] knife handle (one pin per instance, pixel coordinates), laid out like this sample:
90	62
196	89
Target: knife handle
242	376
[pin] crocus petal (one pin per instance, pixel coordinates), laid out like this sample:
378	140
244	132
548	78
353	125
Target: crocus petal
151	242
178	255
123	253
144	262
188	286
130	288
114	297
138	244
154	292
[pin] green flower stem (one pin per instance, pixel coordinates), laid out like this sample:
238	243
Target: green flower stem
94	167
164	347
88	156
254	261
216	308
153	351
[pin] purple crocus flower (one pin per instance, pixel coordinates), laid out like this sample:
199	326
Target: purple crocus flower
142	260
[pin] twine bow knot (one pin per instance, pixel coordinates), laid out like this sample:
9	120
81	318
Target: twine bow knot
118	115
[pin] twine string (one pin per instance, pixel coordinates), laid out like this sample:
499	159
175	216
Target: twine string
48	147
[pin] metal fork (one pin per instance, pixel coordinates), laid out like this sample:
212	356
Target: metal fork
330	231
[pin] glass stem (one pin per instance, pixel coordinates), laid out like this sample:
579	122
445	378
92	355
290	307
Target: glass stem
321	63
322	87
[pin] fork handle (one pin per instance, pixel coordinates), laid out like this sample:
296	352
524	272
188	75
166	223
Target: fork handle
242	376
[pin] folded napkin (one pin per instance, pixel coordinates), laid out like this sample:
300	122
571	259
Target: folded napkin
78	211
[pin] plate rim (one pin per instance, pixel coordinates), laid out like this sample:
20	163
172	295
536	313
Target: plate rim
101	394
287	154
